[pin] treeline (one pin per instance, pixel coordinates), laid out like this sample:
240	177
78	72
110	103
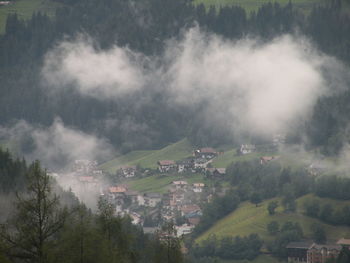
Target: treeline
145	26
326	212
43	229
228	248
12	172
219	207
254	182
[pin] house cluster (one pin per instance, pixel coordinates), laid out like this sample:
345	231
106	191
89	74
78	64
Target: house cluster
199	162
246	149
87	174
309	252
127	171
181	201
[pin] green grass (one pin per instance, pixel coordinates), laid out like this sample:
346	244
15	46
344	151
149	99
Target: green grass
231	156
149	159
249	219
25	10
160	184
129	158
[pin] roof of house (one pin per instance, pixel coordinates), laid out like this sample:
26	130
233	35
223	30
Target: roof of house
344	241
198	185
300	245
326	246
166	162
179	182
117	189
207	150
268	158
221	170
185	161
189	208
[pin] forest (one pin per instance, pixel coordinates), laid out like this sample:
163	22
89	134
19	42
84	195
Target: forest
25	44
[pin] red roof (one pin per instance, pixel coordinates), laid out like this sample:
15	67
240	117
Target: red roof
117	189
166	162
207	150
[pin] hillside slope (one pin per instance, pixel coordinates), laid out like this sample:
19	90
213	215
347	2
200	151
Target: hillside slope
148	159
249	219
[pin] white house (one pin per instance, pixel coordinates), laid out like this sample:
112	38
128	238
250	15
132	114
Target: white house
198	187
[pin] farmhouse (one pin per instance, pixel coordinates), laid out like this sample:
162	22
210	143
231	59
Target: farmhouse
127	171
179	184
3	3
322	253
185	165
152	199
198	187
205	153
166	165
201	163
247	148
297	251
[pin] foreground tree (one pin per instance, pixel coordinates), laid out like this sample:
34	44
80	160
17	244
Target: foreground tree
28	235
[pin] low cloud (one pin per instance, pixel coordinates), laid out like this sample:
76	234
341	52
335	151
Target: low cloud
263	88
94	72
56	146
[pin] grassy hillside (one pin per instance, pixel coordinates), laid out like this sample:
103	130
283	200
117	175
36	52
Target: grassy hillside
249	219
254	5
160	184
148	159
25	9
231	156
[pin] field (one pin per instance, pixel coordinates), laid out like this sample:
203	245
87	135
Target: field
249	219
254	5
231	156
25	9
149	159
160	184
